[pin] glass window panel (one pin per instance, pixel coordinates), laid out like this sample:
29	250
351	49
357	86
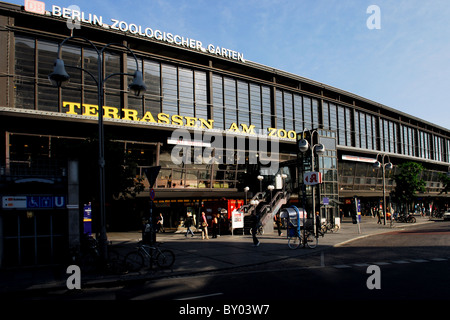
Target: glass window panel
266	107
47	98
24	96
24	57
72	58
279	109
315	113
307	113
218	110
112	65
47	53
90	64
152	79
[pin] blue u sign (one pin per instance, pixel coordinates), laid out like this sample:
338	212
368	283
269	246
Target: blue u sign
46	202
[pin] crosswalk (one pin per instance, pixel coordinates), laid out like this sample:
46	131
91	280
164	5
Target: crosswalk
392	262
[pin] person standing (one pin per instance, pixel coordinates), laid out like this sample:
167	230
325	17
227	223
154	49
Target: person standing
215	226
188	224
278	223
204	226
255	225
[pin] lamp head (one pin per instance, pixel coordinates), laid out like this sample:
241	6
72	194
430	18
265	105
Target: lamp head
377	164
137	85
59	77
389	166
319	148
303	145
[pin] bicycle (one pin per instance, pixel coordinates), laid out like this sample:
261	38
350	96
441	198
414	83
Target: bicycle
90	259
136	260
295	239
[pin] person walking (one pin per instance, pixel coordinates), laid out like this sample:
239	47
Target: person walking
160	224
188	224
278	223
255	225
204	226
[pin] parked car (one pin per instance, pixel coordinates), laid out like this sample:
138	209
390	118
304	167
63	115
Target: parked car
446	215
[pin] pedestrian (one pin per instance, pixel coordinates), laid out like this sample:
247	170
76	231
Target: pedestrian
160	224
255	225
215	226
318	223
277	219
379	216
188	224
204	226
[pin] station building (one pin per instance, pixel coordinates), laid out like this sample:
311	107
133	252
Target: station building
210	120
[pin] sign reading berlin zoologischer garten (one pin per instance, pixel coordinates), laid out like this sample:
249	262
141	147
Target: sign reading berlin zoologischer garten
73	13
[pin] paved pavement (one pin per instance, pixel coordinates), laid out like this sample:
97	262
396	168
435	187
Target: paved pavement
193	255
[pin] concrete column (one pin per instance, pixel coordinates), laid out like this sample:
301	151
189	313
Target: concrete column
73	209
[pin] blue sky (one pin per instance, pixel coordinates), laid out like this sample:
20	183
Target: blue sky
404	65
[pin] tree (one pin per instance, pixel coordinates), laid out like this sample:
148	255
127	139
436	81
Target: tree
445	179
408	183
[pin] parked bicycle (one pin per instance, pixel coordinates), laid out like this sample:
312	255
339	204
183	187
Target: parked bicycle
306	237
136	260
90	260
328	226
409	218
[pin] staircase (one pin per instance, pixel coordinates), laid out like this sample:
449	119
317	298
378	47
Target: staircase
263	208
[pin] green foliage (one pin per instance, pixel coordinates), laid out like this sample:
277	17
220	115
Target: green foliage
408	182
445	179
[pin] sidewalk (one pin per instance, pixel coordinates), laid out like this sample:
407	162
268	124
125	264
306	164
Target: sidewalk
194	255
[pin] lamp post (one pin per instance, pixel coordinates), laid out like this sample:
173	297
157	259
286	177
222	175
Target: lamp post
284	176
246	191
59	77
260	178
319	148
270	188
384	165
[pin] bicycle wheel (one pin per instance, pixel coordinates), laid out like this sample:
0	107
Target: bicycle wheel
165	258
294	242
311	240
134	261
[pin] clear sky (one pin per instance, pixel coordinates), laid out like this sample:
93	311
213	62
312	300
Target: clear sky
404	64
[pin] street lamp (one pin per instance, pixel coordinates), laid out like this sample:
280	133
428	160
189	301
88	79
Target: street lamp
270	188
284	176
260	178
385	166
59	77
318	148
246	191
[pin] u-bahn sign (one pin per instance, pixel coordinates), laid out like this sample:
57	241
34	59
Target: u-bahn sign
312	178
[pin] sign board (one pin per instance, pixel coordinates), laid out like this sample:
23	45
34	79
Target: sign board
34	202
237	219
151	174
152	194
326	201
312	178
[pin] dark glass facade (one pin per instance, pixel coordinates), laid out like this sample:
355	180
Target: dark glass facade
203	94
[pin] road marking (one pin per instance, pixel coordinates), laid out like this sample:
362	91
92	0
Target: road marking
400	261
201	297
341	266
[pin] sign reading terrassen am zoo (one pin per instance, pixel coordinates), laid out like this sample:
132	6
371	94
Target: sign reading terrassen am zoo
75	17
74	108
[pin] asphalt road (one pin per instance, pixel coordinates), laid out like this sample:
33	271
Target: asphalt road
412	264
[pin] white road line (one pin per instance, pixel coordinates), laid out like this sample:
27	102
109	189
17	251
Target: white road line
201	297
